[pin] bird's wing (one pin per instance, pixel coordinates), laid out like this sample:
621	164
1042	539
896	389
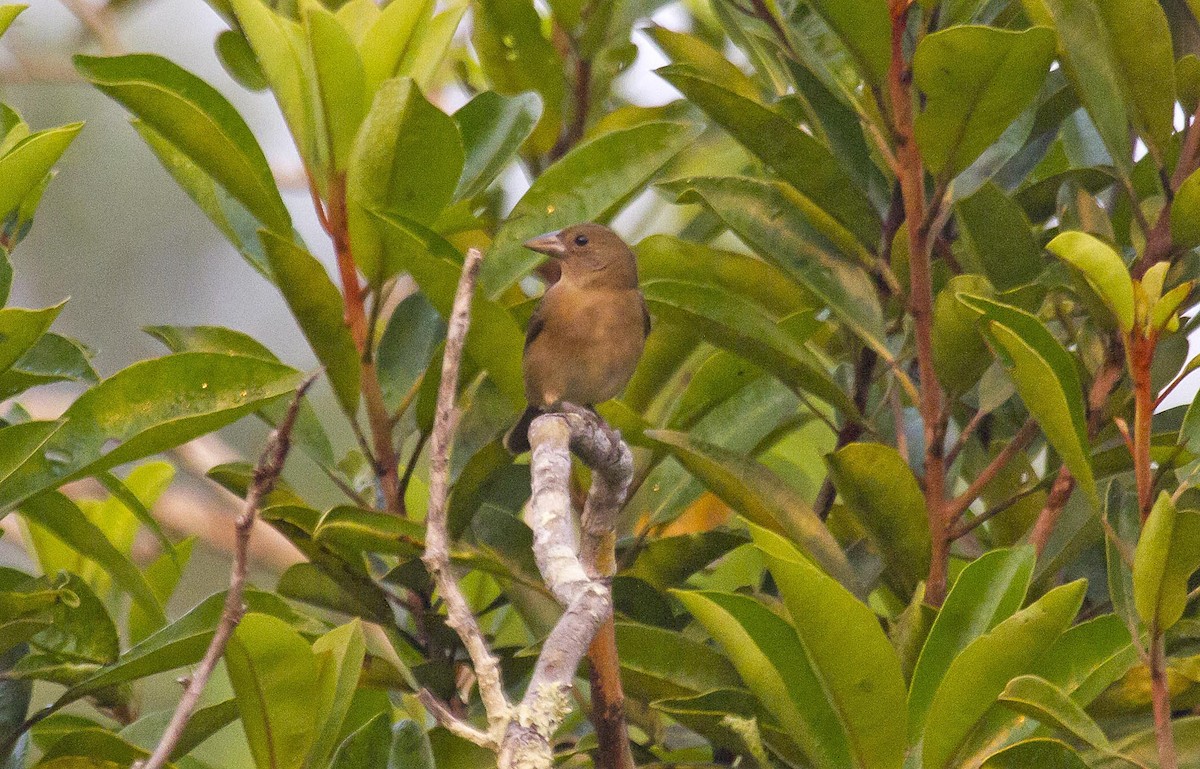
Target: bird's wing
537	322
645	316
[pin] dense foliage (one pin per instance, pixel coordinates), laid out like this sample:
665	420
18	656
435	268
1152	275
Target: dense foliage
905	491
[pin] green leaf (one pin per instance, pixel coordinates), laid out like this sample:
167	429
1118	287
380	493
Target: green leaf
388	39
493	128
282	51
163	576
495	339
736	325
987	592
198	121
317	306
146	408
340	81
865	28
274	674
590	183
237	57
339	658
20	330
763	498
367	747
960	356
879	488
657	663
1000	236
56	513
24	167
980	672
768	216
682	48
353	529
52	358
400	126
975	80
1168	551
410	747
856	664
1045	377
1103	269
516	57
771	660
1185	212
19	442
81	630
204	723
413	333
8	14
1038	698
1087	55
1041	752
435	34
798	158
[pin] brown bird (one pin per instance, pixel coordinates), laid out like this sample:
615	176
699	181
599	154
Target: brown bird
587	334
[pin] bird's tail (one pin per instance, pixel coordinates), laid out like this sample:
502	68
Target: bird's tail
516	440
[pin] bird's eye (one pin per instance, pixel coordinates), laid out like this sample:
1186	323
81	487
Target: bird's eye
581	240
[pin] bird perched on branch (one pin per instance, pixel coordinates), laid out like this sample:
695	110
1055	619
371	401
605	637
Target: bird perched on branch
586	336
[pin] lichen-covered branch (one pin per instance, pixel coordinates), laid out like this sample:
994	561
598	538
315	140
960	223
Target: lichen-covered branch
576	571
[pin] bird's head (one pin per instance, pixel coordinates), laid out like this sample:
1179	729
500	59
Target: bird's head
590	254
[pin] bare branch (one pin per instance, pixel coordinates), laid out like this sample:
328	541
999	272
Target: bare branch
270	465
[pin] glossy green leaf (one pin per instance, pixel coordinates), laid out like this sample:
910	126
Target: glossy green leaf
744	329
768	217
410	747
146	408
1103	269
316	304
517	57
975	81
669	561
391	34
413	333
274	674
866	30
317	585
367	747
881	491
682	48
52	358
980	672
350	528
400	126
204	723
1142	53
988	591
1087	55
771	660
1038	698
56	513
495	339
237	57
1041	752
163	576
24	167
8	14
340	82
1045	377
1167	553
763	498
493	128
434	35
998	233
20	330
19	442
856	664
590	183
197	120
797	157
1185	212
960	356
282	51
339	656
657	663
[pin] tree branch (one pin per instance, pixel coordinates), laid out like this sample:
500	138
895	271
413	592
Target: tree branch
270	465
577	574
1019	441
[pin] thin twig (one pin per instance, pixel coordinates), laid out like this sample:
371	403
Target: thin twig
437	545
1019	441
270	465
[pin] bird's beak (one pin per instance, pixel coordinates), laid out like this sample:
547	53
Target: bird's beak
549	244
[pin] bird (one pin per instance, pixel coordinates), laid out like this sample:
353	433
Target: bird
585	338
